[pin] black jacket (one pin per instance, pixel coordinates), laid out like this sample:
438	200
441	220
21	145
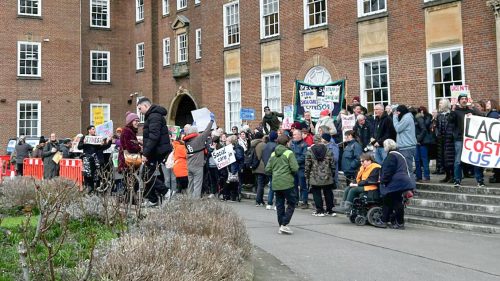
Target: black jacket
364	133
456	119
155	133
97	150
423	129
384	129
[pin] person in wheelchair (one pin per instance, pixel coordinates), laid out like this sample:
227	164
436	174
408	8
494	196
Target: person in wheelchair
367	180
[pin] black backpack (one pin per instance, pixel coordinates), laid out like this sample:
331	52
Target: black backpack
251	159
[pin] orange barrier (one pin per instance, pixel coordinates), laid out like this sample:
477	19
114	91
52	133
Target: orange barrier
7	168
1	170
71	169
33	167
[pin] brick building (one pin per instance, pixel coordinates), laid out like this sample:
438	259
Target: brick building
64	66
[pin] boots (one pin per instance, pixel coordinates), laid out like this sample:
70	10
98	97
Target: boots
346	208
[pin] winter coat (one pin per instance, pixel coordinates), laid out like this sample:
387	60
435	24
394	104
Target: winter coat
369	177
383	129
155	133
282	166
38	151
65	151
309	140
22	152
405	129
364	133
456	119
446	146
93	150
350	158
423	129
259	145
180	160
239	154
195	147
320	166
493	114
395	175
272	120
50	168
299	148
128	142
326	121
308	125
267	151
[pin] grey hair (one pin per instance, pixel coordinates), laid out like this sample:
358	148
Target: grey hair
325	129
361	116
233	139
191	130
380	105
447	105
390	145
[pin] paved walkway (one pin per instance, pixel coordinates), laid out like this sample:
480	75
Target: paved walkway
334	249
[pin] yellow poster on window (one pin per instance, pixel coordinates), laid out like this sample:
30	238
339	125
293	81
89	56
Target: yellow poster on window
98	114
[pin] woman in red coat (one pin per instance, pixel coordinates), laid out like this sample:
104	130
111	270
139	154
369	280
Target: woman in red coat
128	139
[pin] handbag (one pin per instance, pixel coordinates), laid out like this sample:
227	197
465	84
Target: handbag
232	177
132	159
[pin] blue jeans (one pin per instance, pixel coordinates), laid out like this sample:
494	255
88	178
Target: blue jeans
380	154
285	215
422	159
270	195
457	167
478	174
261	182
300	179
409	154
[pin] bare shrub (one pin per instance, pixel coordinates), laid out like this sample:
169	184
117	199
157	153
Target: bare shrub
92	207
17	194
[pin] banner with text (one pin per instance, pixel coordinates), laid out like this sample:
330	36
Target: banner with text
314	98
481	146
348	123
288	117
105	130
224	156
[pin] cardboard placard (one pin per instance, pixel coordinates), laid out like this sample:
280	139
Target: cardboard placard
224	157
308	97
481	146
202	118
288	117
93	140
105	130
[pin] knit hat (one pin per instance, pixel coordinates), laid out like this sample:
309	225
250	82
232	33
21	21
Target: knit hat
259	135
42	140
355	98
325	112
273	135
296	125
326	137
130	116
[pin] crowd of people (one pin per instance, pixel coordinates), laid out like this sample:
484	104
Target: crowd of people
387	150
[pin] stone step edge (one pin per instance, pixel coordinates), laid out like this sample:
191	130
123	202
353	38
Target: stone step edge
442	223
456	193
455	212
452	202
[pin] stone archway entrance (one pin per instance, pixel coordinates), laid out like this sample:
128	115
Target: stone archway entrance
181	108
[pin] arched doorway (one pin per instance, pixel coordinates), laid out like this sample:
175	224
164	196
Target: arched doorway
318	75
181	110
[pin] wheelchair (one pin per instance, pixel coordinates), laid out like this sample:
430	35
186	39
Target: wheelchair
366	208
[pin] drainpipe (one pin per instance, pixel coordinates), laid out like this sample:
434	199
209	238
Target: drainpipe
495	6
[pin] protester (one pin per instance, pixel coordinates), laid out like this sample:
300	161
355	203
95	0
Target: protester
493	109
195	149
156	147
213	172
367	179
383	129
395	179
38	151
50	164
325	120
243	141
404	125
271	118
65	147
231	188
234	130
93	159
307	137
308	124
128	140
320	172
22	151
350	157
356	102
282	166
180	167
424	141
445	142
266	154
259	172
329	141
299	149
456	119
363	131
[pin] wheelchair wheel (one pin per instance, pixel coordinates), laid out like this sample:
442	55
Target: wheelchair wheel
352	218
374	215
360	220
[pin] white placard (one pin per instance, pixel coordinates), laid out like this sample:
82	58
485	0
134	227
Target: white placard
481	146
202	118
224	157
93	140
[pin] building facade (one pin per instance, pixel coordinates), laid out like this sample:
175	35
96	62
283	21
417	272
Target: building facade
67	65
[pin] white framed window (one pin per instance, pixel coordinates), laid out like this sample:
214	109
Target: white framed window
198	43
315	13
369	7
374	82
231	15
269	18
445	68
99	113
139	10
29	59
29	114
181	4
196	2
166	51
141	116
139	51
29	7
233	103
182	44
165	7
99	13
99	66
271	91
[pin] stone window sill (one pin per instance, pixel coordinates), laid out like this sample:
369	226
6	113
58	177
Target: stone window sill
372	17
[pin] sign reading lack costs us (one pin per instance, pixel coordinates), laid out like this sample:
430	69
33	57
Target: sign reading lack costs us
481	145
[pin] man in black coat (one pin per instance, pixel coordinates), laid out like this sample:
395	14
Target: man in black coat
157	146
383	129
363	131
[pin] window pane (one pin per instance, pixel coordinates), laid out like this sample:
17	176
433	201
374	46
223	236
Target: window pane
456	57
437	75
446	74
436	59
446	59
457	73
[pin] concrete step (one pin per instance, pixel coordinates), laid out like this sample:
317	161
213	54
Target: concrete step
455	206
468	226
459	197
454	215
463	189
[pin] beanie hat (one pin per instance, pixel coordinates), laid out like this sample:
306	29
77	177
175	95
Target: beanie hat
355	98
130	116
326	137
273	135
296	125
42	140
259	135
325	112
462	95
